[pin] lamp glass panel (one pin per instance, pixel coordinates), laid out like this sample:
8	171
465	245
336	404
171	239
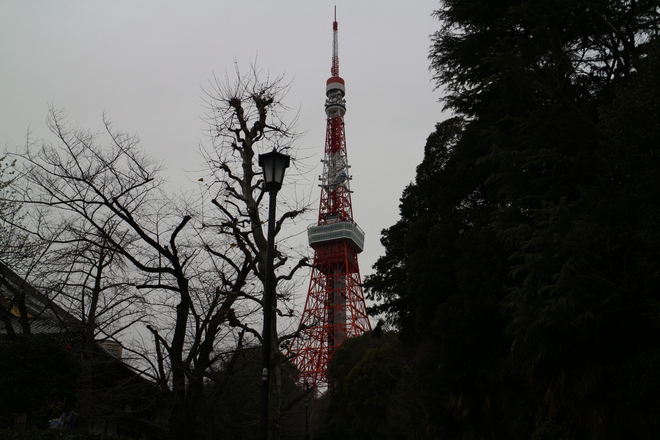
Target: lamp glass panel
274	165
269	169
278	169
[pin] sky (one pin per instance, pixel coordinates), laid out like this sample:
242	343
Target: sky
145	63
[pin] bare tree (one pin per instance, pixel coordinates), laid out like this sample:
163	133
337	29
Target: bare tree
19	255
246	118
111	192
88	278
9	210
200	277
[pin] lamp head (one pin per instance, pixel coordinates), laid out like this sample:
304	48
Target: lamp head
273	164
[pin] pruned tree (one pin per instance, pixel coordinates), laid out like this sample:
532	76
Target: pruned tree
246	117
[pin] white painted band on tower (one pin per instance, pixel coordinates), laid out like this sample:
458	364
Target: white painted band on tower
335	83
337	231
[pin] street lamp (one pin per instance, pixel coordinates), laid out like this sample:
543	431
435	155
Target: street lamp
273	164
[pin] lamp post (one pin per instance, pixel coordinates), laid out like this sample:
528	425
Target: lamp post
273	164
306	419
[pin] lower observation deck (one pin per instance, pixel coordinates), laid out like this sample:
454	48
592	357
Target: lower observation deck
336	231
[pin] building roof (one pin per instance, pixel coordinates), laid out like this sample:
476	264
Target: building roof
44	315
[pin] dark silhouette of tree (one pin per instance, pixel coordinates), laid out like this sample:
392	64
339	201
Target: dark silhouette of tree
441	283
198	278
246	117
38	374
522	260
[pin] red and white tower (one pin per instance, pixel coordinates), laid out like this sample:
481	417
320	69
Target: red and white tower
335	307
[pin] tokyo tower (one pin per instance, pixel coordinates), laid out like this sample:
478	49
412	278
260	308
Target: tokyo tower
335	307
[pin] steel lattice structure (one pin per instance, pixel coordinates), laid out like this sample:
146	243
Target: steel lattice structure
335	307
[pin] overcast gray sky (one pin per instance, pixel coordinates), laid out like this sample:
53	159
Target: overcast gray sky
144	63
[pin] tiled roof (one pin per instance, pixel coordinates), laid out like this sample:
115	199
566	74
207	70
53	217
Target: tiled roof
44	315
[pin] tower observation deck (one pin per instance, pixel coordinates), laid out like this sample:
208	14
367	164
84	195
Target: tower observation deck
335	307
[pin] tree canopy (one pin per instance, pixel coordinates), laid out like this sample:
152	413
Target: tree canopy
525	257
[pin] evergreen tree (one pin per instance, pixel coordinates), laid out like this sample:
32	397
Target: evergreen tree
441	282
524	258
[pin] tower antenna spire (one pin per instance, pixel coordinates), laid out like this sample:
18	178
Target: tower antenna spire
335	47
335	308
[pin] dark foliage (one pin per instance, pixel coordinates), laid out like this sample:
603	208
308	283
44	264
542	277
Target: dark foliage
51	434
38	377
522	274
367	371
231	399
